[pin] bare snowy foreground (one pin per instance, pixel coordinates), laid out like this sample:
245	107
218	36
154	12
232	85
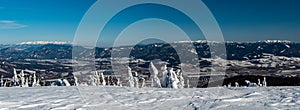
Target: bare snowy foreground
93	97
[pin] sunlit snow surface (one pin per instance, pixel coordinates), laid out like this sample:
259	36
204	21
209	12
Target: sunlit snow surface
113	98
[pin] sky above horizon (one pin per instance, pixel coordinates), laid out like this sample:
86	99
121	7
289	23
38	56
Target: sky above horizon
239	20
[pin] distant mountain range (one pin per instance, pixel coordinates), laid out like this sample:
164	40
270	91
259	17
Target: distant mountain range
235	50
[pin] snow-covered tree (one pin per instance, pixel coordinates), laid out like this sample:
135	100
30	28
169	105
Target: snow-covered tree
229	85
15	78
180	78
2	83
136	80
143	82
108	80
188	83
164	77
259	83
103	79
22	76
91	81
66	82
119	82
33	84
169	78
154	72
75	80
97	78
26	83
236	84
175	80
130	78
38	82
264	82
250	84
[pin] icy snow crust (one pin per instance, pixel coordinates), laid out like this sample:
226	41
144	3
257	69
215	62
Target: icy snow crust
125	98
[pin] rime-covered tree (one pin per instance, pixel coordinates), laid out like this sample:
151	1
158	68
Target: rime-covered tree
187	83
265	82
236	84
143	82
154	73
180	78
97	78
34	83
2	83
103	79
75	80
130	78
15	78
164	77
91	81
250	84
119	82
259	83
136	80
26	83
171	78
22	76
229	85
66	82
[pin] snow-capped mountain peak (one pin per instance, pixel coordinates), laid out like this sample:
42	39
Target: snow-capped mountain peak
43	42
275	41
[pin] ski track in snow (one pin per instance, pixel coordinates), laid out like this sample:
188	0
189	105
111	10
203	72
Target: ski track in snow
113	98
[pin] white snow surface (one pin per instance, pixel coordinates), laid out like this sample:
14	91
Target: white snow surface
125	98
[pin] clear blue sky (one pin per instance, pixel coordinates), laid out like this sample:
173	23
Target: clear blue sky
57	20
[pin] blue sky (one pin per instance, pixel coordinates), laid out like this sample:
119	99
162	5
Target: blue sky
239	20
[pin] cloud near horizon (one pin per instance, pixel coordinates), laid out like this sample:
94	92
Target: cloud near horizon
9	24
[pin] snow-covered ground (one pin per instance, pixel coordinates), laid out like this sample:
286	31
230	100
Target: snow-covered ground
113	98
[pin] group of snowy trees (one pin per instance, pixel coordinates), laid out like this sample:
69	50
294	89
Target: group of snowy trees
170	78
21	80
258	84
98	79
252	84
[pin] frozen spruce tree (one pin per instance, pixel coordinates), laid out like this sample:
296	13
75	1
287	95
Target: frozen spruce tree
250	84
259	83
22	76
154	73
180	78
143	82
38	82
108	80
130	78
229	85
236	84
2	83
33	84
66	82
103	79
119	82
136	80
171	78
265	82
75	80
164	77
174	79
97	79
91	81
187	83
26	83
15	78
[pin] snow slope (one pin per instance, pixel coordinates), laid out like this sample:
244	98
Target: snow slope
98	98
